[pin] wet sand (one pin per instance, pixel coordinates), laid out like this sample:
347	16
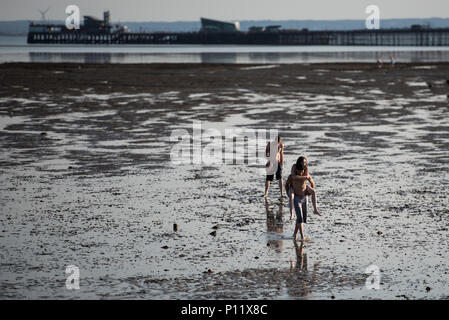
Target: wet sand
87	180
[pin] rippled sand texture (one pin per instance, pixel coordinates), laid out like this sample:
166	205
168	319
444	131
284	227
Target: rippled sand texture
86	180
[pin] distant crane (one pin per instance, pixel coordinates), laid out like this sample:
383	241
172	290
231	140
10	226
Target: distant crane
43	13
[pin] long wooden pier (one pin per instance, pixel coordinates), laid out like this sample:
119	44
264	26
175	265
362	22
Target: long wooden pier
382	37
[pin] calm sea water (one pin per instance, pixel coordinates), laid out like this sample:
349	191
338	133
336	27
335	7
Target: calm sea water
15	49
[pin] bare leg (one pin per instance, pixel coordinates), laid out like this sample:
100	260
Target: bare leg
314	200
299	226
301	231
267	186
291	196
295	233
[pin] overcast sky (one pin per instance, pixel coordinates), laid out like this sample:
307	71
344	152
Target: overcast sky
233	10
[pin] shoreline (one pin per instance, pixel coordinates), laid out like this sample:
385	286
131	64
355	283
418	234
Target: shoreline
220	63
201	65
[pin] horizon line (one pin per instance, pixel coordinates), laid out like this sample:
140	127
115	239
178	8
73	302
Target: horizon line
236	20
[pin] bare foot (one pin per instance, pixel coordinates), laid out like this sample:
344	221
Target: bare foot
316	212
292	263
291	217
265	195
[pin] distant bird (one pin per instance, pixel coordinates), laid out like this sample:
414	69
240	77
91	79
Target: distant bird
429	84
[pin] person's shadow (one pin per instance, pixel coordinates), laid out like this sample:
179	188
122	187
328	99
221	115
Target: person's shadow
275	225
300	281
301	258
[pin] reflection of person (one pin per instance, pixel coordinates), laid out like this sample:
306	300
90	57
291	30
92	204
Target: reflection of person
274	224
270	165
300	284
301	258
297	191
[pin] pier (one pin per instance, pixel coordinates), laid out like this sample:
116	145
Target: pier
96	31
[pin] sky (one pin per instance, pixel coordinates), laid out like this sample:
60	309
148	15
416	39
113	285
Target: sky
230	10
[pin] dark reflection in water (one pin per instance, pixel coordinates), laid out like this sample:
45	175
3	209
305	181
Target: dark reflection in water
272	57
74	57
300	282
222	57
237	57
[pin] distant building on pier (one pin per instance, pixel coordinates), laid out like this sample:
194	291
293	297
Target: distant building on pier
216	26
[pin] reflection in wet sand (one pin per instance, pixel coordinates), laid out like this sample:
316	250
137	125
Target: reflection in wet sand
300	282
275	225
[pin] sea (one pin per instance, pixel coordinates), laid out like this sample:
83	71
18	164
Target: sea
16	49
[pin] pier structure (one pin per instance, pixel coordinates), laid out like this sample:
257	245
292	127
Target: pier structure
97	31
